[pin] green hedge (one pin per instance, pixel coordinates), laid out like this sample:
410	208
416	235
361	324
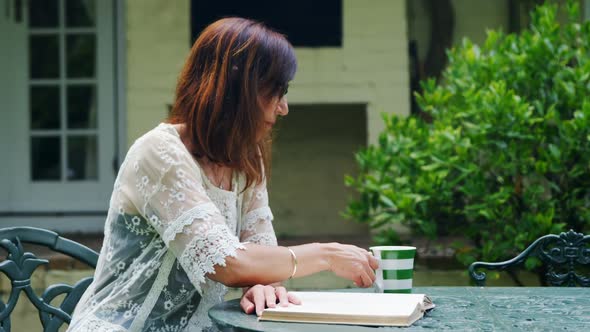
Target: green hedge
506	158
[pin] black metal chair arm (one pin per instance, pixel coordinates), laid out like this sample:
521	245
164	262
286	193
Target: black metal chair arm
19	266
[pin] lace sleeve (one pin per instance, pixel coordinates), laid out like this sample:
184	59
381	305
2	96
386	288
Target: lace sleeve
257	221
165	186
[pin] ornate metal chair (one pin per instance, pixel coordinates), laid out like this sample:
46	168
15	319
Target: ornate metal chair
562	256
19	266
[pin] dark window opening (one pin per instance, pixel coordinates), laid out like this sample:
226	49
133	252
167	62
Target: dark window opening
307	23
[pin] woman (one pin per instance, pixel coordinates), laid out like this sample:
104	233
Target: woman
189	213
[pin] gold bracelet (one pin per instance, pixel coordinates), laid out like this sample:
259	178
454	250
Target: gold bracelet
294	259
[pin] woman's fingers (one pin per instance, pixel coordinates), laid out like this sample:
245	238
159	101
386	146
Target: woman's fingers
259	299
293	299
247	305
362	280
369	263
373	262
281	293
358	280
367	274
367	282
370	274
269	295
356	264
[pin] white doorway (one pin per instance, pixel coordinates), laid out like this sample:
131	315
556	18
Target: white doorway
57	113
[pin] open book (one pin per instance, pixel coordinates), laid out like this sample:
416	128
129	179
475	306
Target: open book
379	309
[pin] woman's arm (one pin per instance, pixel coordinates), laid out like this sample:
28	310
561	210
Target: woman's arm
163	184
271	264
266	265
263	265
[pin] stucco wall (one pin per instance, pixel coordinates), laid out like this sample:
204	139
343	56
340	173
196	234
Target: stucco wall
158	36
313	149
370	67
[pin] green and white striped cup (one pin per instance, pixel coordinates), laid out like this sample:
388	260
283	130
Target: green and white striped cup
396	268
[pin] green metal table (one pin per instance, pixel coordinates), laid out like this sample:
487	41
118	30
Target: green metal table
457	309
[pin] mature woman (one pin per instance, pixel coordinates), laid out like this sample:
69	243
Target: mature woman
189	213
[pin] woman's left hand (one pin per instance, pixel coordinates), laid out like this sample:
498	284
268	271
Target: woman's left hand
258	297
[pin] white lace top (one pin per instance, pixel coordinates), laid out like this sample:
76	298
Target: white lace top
167	227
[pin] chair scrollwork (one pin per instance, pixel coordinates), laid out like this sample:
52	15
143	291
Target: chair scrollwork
20	265
561	254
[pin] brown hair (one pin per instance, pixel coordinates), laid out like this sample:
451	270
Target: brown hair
232	63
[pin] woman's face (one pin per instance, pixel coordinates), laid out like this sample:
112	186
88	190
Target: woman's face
273	108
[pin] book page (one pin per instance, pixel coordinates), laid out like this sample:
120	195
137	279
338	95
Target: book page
354	304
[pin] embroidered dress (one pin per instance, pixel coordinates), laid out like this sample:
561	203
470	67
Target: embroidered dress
167	227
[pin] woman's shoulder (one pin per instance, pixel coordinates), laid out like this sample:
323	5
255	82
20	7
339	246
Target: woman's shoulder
161	144
161	136
157	154
162	133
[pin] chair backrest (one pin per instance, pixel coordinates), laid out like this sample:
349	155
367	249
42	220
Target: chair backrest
19	266
562	256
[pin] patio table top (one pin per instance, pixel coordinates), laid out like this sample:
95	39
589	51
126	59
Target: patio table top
457	308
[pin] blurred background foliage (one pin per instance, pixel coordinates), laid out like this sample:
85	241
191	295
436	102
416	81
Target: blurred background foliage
503	156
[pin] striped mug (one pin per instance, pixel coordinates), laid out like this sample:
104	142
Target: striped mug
396	268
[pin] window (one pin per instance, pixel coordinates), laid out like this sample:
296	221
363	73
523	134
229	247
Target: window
307	23
62	90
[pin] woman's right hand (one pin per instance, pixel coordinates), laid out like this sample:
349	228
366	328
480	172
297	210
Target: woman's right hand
353	263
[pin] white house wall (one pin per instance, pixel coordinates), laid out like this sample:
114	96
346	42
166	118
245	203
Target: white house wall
158	36
371	66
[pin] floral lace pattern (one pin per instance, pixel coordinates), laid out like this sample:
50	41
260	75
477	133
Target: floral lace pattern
213	293
203	211
94	324
257	227
255	218
160	203
226	201
265	239
202	254
154	293
166	229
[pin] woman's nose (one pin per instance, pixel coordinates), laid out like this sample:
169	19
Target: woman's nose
283	107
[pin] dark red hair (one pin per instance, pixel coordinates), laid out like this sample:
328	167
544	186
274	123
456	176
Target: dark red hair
232	63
